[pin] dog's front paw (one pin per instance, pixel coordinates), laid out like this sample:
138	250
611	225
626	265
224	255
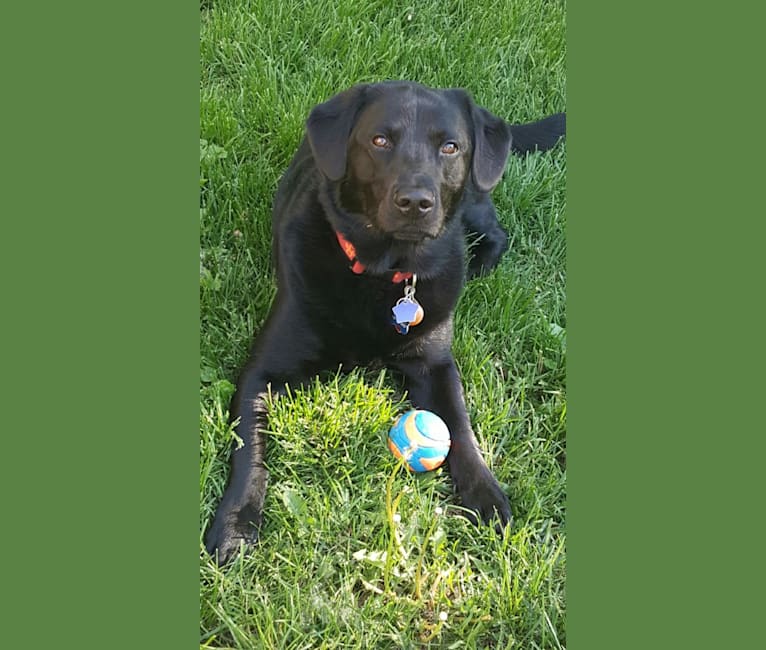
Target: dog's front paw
483	259
232	527
483	498
486	253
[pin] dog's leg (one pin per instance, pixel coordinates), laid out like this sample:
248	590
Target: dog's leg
277	359
480	221
238	516
437	387
479	216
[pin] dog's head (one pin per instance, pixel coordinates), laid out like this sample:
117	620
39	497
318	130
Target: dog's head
401	154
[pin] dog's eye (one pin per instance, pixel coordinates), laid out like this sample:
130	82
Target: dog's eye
380	141
449	148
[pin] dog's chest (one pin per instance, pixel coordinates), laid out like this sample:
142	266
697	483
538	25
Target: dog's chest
357	315
351	308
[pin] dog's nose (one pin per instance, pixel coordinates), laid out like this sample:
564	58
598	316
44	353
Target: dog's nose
414	201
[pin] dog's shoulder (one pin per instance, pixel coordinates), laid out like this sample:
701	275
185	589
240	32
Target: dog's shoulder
298	184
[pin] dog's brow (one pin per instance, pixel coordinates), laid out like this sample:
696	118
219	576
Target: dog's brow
392	129
389	129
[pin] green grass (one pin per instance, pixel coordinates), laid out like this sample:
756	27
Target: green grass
354	553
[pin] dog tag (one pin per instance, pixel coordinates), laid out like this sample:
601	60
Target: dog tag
403	328
407	311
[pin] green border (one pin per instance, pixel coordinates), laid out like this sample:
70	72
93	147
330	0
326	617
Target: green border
100	230
664	272
665	269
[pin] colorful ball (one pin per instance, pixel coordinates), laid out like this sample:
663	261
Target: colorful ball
421	438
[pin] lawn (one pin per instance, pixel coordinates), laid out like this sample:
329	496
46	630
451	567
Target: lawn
355	553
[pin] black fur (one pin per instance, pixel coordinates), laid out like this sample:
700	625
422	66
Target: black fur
377	165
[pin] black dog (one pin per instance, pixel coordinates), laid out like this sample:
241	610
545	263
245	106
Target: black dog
371	215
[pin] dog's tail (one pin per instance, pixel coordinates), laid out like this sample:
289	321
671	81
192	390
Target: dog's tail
538	136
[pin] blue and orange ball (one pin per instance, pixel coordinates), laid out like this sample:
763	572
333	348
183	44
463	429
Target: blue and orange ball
421	438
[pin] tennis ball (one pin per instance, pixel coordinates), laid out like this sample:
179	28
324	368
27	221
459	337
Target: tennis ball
421	438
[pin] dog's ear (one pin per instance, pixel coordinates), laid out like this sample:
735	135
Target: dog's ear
491	144
328	128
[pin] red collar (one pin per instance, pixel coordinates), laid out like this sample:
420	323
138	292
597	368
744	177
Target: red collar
357	267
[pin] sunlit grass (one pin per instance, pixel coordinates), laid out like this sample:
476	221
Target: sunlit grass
355	552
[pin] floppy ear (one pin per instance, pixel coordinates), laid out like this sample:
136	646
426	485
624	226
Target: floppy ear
491	142
328	128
